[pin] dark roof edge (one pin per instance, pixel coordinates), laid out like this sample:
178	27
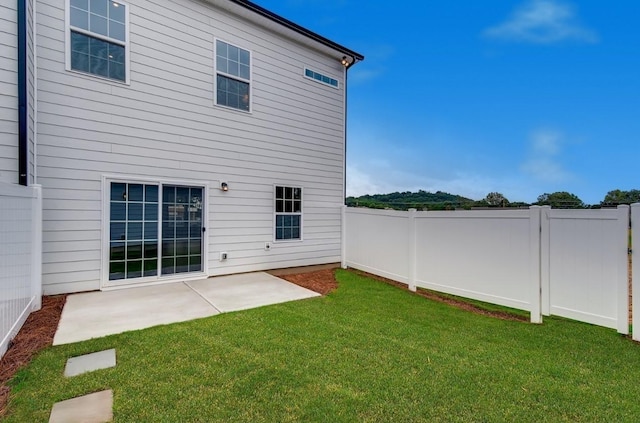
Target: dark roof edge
297	28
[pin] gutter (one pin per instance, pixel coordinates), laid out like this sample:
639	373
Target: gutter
297	28
23	125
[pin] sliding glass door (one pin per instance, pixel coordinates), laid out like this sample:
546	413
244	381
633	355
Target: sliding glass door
181	229
154	230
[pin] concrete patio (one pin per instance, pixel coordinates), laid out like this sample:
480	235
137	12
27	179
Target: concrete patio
97	314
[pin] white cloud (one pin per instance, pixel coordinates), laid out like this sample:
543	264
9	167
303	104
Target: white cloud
546	142
543	162
543	22
376	180
361	183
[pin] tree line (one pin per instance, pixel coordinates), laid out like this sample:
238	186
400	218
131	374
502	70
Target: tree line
423	200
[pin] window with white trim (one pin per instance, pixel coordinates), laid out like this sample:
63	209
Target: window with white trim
318	77
233	76
288	221
98	38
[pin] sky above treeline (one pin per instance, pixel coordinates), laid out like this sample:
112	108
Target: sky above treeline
521	97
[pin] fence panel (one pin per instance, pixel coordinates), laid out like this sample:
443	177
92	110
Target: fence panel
20	257
584	262
635	269
378	242
480	254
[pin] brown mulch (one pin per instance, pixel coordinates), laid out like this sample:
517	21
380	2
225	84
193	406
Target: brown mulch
36	334
321	281
461	304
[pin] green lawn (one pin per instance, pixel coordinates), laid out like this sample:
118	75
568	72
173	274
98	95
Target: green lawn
367	352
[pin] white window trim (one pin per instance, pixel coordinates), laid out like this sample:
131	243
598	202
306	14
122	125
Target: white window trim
125	44
237	78
304	74
105	283
301	214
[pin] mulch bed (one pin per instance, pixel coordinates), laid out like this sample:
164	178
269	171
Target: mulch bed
39	329
461	304
36	334
321	281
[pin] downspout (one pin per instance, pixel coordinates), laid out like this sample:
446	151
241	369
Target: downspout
35	91
23	125
344	165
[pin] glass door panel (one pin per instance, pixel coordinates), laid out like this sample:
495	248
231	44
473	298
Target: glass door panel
133	237
181	229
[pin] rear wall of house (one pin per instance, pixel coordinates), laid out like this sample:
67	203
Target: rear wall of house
165	125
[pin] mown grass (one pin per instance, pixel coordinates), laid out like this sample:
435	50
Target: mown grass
367	352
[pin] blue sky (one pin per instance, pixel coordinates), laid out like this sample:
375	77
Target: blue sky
521	97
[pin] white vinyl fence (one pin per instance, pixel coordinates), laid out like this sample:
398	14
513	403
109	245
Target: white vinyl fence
545	261
20	257
585	265
635	268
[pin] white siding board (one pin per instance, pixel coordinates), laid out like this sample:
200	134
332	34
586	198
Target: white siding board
55	237
173	118
60	257
78	215
57	249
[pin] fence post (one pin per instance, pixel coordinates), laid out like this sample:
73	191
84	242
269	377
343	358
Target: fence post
545	274
412	250
534	240
622	284
635	271
343	250
36	242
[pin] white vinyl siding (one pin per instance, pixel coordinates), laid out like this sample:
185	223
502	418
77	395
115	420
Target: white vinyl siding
165	125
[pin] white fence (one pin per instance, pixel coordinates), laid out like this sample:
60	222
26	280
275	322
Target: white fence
635	268
20	257
561	262
585	265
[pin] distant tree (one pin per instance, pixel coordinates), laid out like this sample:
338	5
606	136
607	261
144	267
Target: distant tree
496	199
560	200
617	196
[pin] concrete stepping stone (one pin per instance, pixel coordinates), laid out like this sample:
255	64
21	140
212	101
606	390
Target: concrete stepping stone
92	408
90	362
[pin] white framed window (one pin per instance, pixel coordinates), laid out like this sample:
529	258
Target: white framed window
288	213
97	38
233	76
318	77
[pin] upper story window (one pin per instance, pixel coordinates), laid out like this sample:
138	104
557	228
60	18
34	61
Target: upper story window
233	76
97	38
324	79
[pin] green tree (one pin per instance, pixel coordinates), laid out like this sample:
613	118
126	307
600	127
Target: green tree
617	196
496	199
560	200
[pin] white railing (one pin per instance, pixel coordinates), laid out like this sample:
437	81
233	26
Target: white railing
561	262
20	257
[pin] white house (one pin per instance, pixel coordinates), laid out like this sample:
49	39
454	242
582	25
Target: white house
172	139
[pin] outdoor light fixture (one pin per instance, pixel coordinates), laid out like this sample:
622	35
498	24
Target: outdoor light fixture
224	186
344	61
